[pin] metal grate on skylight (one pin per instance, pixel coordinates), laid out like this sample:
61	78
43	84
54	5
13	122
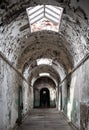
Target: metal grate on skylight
44	17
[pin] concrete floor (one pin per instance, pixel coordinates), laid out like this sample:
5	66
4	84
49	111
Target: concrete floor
45	119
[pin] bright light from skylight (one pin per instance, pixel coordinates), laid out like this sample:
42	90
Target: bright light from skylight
44	74
44	17
44	61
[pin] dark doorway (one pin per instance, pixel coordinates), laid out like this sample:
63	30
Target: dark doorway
44	98
20	106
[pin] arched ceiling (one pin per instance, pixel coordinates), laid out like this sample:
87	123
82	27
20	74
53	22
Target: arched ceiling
58	68
46	45
74	30
10	9
65	48
35	72
41	81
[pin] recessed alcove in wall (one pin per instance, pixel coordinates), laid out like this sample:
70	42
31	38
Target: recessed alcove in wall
44	97
44	91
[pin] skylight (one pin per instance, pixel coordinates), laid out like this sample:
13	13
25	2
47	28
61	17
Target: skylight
44	61
44	74
44	17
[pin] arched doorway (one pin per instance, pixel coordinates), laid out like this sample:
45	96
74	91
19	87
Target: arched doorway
44	91
44	98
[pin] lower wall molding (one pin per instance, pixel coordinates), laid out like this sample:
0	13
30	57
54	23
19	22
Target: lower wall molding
73	126
24	117
70	122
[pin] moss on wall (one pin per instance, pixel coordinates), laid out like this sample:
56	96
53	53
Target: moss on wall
75	111
37	103
65	105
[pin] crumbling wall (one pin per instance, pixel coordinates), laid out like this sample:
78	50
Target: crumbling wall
81	4
74	29
78	98
27	97
84	101
84	115
9	94
74	98
64	96
10	81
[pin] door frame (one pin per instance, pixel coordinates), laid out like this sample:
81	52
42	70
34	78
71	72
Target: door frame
20	105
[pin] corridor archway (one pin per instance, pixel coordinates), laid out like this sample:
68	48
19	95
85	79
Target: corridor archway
44	91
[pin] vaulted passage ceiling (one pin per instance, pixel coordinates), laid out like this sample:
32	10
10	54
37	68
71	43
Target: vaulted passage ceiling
46	45
49	60
23	48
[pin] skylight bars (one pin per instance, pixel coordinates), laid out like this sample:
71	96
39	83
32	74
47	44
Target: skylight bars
39	17
44	17
54	13
41	11
51	18
54	8
32	10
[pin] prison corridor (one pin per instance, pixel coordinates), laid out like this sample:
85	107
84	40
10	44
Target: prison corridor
45	119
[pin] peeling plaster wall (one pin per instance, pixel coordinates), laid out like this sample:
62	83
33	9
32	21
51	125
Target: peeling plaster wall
74	98
80	86
82	4
9	85
84	99
10	81
10	38
64	96
76	94
74	28
27	98
71	98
